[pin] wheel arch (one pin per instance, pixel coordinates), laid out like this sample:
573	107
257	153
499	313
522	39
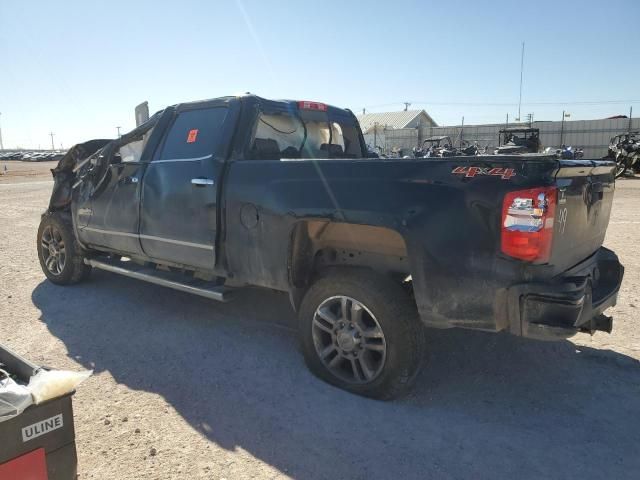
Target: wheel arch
317	245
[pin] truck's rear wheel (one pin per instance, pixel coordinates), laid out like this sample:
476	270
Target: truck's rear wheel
58	251
360	331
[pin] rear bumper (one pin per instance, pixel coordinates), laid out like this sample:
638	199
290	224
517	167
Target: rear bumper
570	303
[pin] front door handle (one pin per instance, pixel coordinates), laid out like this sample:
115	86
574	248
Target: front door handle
130	180
201	182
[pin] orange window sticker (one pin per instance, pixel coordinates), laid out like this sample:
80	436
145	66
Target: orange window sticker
193	134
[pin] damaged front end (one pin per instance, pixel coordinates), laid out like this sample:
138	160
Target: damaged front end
65	172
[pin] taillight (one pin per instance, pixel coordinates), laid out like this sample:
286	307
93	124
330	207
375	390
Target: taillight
305	105
527	223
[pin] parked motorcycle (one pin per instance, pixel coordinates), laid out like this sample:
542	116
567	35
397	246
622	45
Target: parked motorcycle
442	146
624	149
566	152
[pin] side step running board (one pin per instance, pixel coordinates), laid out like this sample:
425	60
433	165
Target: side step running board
157	277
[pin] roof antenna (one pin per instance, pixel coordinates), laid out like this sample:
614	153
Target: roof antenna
406	106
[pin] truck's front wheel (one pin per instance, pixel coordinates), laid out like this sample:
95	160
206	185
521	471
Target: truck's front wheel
58	251
359	331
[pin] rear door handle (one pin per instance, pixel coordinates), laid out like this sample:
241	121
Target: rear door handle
201	182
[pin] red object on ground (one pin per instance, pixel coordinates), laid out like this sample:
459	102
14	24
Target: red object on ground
30	466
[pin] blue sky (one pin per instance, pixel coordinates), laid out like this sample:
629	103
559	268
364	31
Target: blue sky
78	68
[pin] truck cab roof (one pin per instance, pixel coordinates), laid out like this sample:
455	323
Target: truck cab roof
265	104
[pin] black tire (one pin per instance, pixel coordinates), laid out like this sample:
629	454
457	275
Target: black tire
392	309
72	269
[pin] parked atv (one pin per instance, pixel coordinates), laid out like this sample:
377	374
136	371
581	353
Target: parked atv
439	146
518	140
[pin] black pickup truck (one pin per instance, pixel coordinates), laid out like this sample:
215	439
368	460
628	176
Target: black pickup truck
210	196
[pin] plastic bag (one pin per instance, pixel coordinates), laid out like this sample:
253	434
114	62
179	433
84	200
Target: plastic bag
14	398
48	384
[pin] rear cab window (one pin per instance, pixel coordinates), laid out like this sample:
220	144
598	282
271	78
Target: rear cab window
305	133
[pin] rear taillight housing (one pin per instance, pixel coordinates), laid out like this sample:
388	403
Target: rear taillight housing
527	223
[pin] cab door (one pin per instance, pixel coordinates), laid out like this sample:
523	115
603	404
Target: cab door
114	201
178	216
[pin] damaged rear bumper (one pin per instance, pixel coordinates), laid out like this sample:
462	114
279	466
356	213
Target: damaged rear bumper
573	302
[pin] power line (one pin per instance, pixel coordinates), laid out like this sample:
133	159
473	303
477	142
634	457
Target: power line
507	104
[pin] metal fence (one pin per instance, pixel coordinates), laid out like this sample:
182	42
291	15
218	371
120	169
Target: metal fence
591	135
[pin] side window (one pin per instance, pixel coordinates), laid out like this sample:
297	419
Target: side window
277	136
194	133
132	151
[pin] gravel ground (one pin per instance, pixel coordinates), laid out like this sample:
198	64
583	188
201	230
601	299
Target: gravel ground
18	171
188	388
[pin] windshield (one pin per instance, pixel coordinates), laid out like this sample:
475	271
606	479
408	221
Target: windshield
310	135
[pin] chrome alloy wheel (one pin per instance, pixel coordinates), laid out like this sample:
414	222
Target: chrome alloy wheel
53	250
349	340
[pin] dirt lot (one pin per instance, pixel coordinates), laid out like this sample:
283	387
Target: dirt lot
19	171
189	388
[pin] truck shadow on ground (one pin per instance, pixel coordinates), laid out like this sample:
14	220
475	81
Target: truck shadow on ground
487	406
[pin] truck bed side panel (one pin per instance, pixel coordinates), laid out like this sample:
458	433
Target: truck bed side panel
450	222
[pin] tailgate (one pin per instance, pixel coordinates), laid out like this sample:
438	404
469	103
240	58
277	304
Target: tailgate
585	196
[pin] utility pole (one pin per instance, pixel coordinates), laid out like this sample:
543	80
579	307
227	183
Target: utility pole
53	147
564	114
630	124
406	106
506	125
375	135
462	132
118	129
521	70
530	119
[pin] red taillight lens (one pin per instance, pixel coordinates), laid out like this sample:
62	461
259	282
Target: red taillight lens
305	105
527	223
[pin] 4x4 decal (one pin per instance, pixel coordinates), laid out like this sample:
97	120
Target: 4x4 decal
470	172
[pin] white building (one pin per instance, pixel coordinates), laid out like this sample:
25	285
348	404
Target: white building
375	125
